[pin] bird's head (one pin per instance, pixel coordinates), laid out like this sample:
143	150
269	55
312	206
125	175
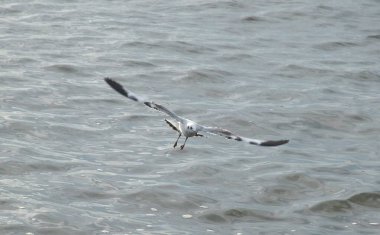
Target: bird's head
191	126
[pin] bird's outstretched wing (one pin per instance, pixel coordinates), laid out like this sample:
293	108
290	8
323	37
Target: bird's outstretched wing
173	125
120	89
230	135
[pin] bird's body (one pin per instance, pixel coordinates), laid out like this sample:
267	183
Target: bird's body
187	127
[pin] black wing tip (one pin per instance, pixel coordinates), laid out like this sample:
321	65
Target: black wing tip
116	86
272	143
110	81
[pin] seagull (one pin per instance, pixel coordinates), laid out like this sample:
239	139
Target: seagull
187	127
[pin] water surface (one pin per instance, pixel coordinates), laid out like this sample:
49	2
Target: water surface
77	158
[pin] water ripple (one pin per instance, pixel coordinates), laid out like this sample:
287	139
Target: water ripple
371	200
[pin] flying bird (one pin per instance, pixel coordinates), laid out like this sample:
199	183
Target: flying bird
187	127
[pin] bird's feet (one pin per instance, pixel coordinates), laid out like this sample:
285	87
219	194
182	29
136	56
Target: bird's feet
182	146
175	145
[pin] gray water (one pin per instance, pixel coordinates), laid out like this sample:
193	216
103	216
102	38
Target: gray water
78	158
